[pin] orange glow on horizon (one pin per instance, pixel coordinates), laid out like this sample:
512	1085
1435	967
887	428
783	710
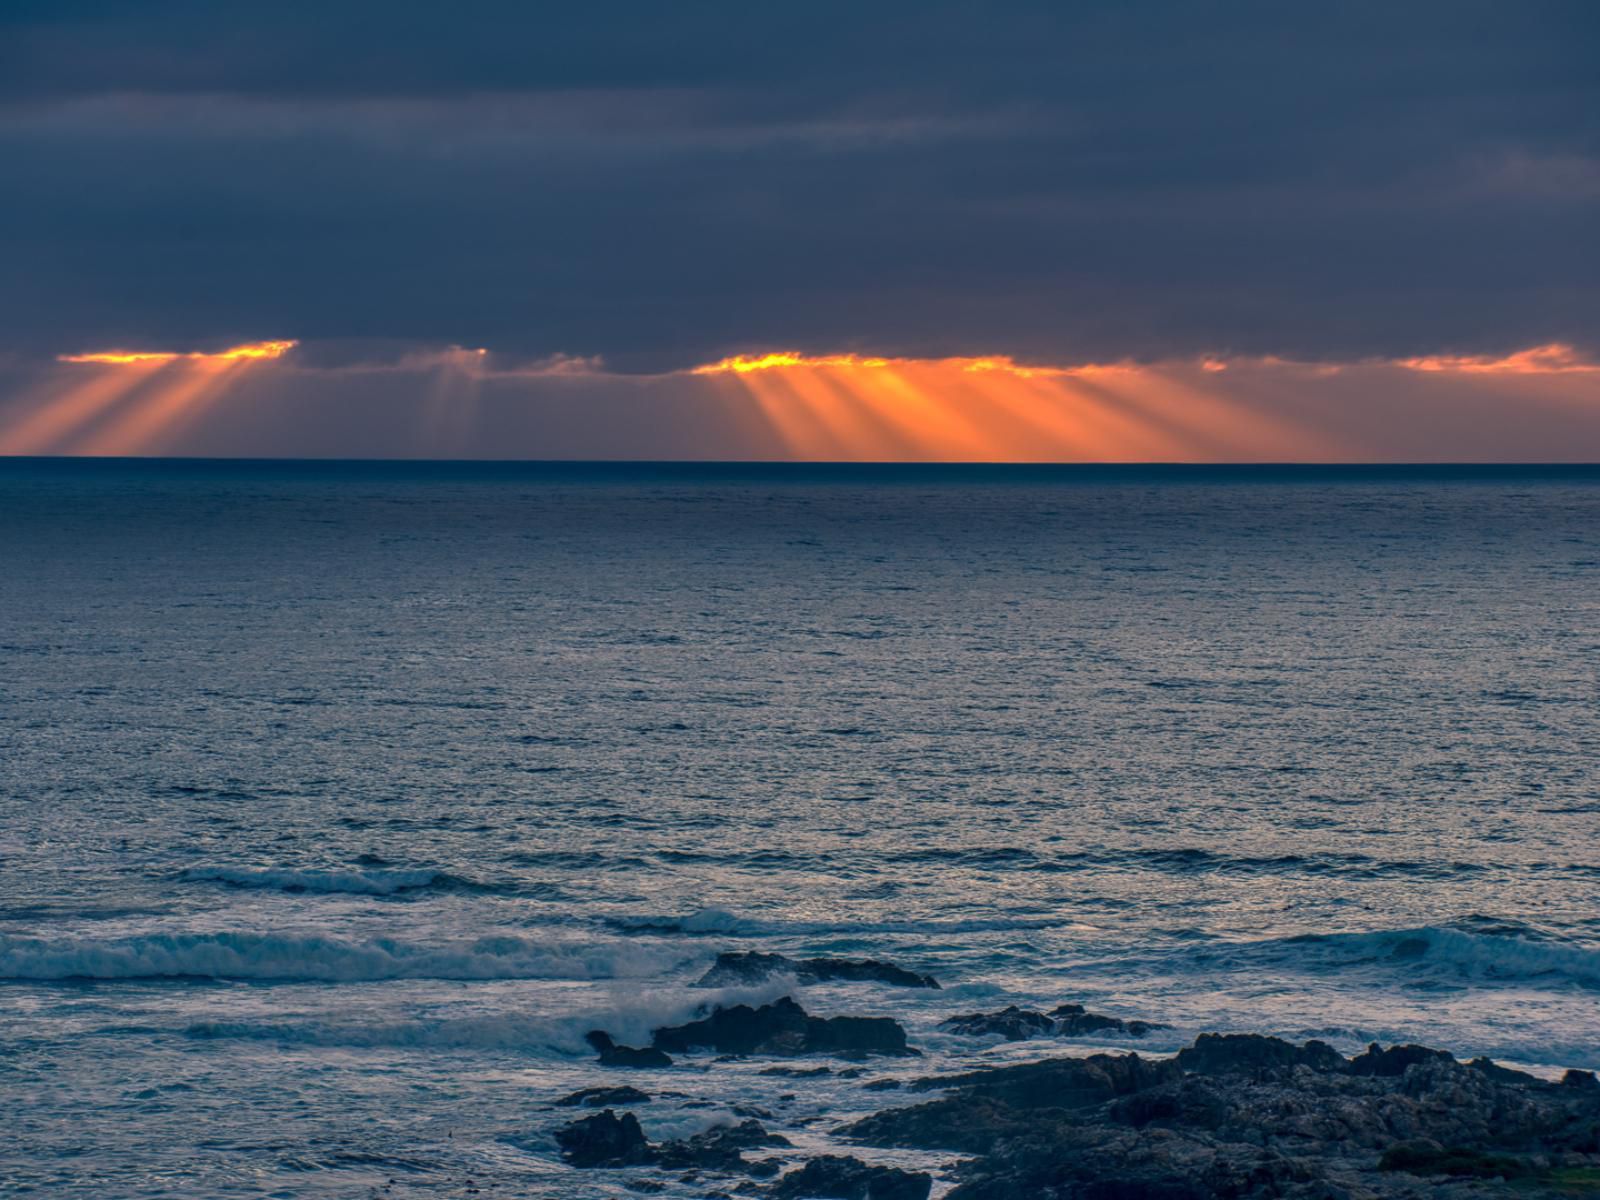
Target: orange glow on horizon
792	405
848	407
131	401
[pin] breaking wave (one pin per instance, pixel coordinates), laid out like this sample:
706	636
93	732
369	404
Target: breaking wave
288	957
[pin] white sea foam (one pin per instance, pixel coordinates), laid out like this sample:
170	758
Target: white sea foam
275	956
366	881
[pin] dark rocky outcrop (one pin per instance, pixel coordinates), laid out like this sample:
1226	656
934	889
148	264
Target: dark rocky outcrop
1247	1053
784	1029
597	1097
613	1055
1394	1061
1066	1020
835	1177
1239	1117
1012	1023
737	967
605	1140
721	1148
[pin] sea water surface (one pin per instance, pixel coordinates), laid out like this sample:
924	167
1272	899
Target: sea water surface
338	801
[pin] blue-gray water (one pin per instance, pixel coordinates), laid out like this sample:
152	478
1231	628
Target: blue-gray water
338	801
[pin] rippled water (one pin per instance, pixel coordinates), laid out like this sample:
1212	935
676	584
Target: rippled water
337	802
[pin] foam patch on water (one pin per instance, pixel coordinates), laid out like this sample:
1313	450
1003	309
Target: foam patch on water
275	956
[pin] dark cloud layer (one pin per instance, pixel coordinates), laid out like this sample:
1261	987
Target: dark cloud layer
663	184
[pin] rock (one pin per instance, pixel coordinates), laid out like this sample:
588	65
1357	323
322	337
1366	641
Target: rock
595	1097
1227	1053
720	1148
1012	1023
1503	1074
1394	1060
1066	1020
835	1177
1580	1079
613	1055
882	1085
605	1140
785	1029
1424	1157
1073	1020
749	966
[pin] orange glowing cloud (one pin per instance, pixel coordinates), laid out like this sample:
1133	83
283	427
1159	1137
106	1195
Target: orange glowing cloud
250	351
1554	358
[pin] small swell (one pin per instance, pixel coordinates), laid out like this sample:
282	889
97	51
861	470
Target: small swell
366	881
288	957
1475	950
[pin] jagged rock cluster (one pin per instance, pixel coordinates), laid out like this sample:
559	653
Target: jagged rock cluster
1065	1020
1239	1116
780	1029
1232	1117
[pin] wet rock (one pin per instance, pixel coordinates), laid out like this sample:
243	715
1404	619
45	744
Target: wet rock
605	1140
613	1055
882	1085
1013	1023
1246	1053
1580	1079
1253	1118
720	1148
596	1097
1066	1020
1503	1074
1073	1020
835	1177
784	1029
1424	1157
749	966
1394	1060
990	1107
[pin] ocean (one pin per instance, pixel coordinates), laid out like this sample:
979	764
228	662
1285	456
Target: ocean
338	801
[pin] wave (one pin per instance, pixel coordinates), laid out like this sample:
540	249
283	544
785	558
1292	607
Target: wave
361	882
287	957
631	1021
714	921
1189	860
1474	949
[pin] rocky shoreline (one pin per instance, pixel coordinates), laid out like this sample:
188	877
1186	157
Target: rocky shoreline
1230	1117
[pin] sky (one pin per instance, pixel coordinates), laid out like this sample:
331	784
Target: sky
1132	231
